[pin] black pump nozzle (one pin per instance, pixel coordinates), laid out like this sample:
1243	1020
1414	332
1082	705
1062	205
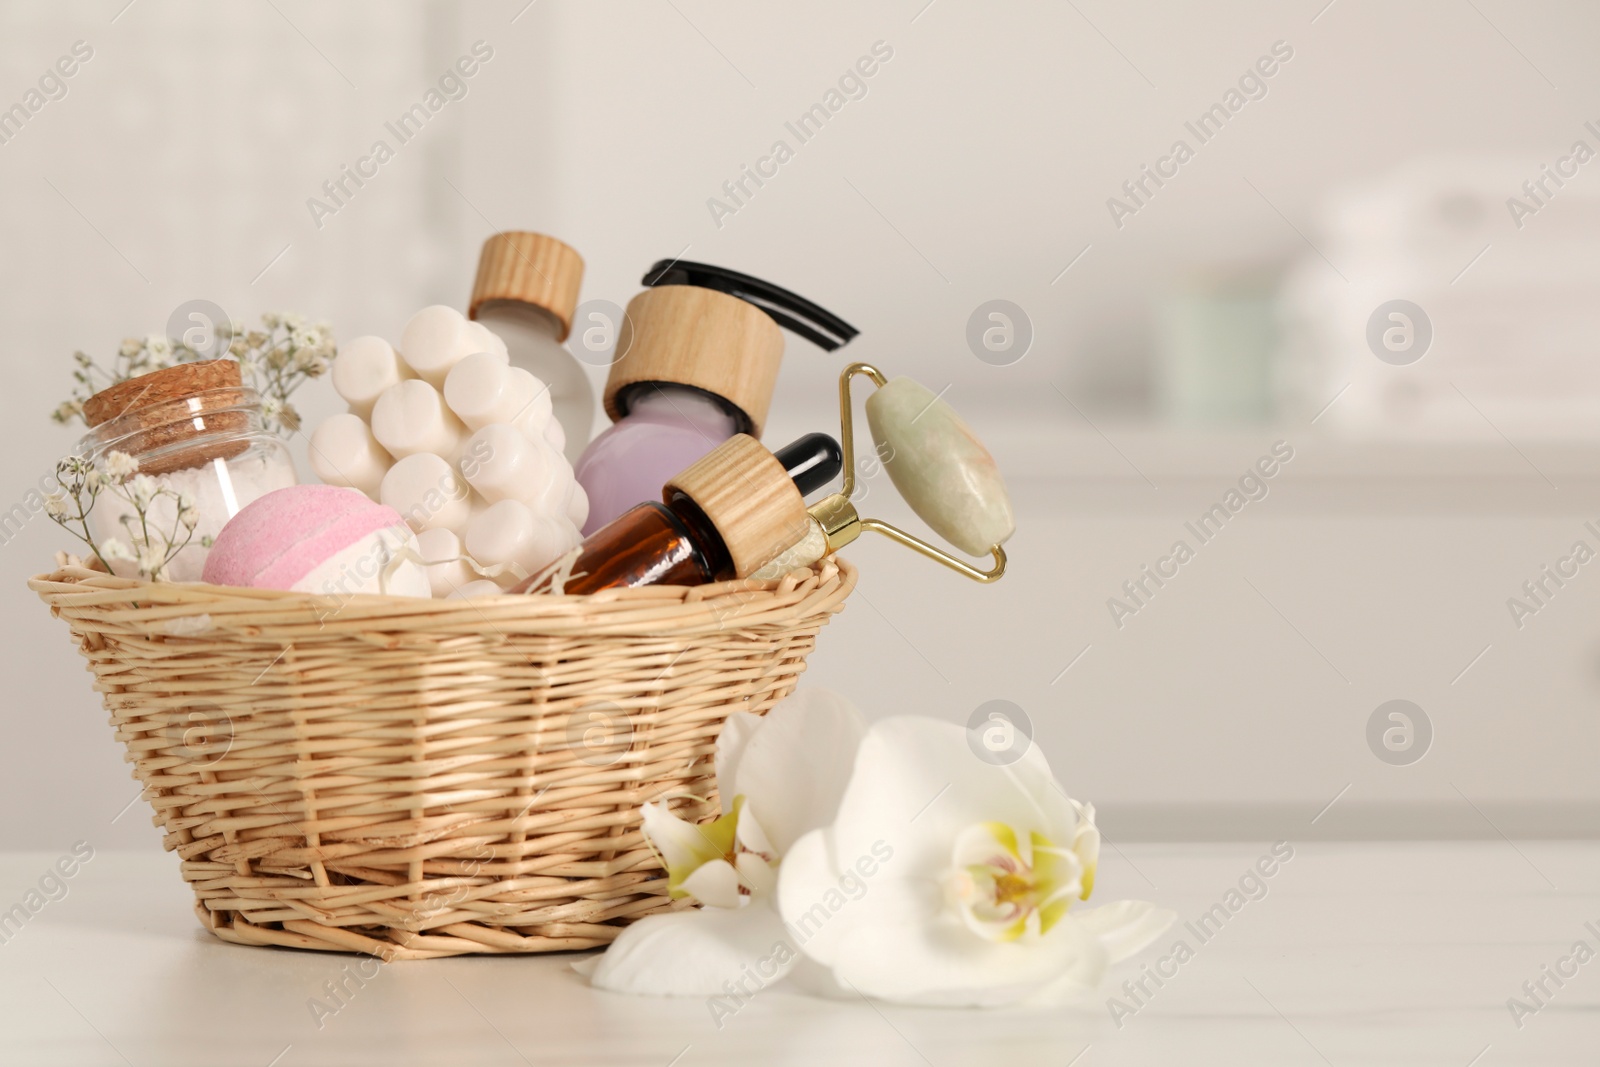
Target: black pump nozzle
818	325
812	461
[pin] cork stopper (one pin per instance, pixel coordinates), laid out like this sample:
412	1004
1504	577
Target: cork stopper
172	383
529	268
183	416
689	335
750	499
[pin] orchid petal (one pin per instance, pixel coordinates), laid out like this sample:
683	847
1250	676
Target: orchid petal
804	879
756	874
752	836
795	764
1086	844
715	884
694	953
918	959
917	787
731	743
1126	926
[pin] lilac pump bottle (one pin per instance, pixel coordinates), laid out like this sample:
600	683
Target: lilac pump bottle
697	362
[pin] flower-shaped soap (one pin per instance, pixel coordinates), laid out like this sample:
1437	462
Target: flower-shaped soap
459	442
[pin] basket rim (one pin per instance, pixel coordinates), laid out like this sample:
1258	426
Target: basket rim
178	609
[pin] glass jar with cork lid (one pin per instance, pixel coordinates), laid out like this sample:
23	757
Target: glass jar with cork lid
197	431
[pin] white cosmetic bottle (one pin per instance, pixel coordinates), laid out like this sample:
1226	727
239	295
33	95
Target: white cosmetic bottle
526	290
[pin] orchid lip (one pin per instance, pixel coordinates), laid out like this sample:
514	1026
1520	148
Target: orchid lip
1007	884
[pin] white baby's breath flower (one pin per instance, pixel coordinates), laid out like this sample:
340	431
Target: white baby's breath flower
115	548
151	560
158	344
270	320
119	466
311	362
271	408
55	505
293	320
93	480
131	346
143	490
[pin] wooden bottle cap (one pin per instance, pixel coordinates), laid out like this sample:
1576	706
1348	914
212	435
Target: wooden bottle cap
689	335
749	498
529	268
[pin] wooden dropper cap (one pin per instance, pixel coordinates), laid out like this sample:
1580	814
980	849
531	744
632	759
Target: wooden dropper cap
749	497
699	337
529	268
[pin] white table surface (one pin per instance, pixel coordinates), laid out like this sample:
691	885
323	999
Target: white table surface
1392	953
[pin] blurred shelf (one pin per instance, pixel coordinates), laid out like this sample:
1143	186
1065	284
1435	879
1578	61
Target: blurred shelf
1141	467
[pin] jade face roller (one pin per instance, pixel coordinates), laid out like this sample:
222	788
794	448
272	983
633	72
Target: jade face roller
938	465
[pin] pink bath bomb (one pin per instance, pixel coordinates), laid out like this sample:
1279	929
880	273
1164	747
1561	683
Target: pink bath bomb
317	539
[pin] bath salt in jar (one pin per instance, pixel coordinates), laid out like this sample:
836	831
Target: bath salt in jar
197	431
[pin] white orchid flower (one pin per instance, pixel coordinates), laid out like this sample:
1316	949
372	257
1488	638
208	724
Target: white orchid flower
719	863
906	869
979	904
787	770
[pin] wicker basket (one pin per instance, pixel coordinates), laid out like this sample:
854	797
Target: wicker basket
420	778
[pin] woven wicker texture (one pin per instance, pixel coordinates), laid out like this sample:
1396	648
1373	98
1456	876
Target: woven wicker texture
421	778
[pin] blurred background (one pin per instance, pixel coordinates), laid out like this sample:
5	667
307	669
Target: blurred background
1372	259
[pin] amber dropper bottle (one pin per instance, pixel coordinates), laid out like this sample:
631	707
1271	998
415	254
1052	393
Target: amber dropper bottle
724	517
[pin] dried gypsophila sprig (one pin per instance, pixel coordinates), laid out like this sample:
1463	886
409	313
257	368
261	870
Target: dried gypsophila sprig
147	546
274	361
